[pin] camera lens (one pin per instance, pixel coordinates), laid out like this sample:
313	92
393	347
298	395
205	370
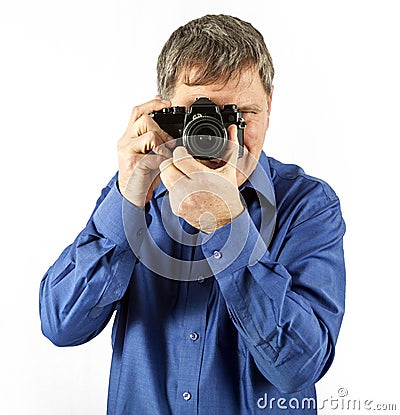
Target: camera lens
205	137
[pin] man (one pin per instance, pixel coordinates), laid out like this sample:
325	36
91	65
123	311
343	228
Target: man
227	275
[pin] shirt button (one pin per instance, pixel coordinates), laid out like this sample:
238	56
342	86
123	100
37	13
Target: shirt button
193	336
117	288
217	255
140	232
186	396
200	280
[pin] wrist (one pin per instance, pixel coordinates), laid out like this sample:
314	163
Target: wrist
209	223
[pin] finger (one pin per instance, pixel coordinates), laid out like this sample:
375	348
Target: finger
231	152
232	133
169	173
233	142
165	164
147	108
145	124
244	165
156	141
145	143
163	150
186	163
151	162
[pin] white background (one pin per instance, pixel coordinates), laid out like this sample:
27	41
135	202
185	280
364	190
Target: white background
70	74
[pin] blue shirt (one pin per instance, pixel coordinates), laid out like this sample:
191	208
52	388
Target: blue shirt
241	321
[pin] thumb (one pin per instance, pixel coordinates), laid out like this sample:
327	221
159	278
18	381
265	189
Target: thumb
232	149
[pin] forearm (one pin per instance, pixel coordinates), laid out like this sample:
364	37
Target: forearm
79	292
288	315
289	343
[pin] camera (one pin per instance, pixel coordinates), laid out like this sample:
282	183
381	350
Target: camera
203	129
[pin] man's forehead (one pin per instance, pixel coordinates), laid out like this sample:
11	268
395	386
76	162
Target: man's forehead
243	91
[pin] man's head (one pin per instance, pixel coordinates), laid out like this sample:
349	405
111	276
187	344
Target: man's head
226	60
213	49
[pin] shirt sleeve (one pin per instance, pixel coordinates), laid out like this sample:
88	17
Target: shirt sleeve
287	307
80	291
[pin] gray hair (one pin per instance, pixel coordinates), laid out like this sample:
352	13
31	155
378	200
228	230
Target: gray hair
219	47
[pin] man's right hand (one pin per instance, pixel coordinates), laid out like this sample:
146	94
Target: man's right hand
139	173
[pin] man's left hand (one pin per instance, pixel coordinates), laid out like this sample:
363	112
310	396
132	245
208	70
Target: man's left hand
206	198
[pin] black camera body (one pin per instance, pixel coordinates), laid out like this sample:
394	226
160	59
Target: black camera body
203	129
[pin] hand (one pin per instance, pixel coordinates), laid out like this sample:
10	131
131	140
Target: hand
207	199
138	173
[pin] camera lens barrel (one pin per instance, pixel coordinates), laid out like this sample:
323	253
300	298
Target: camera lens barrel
205	137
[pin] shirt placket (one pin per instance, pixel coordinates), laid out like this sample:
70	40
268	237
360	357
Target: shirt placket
193	337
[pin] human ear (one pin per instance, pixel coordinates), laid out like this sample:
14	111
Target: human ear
269	101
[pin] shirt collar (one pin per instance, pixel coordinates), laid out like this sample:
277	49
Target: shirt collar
261	180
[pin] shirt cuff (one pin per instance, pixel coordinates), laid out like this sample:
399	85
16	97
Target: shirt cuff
234	246
108	217
136	222
119	220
